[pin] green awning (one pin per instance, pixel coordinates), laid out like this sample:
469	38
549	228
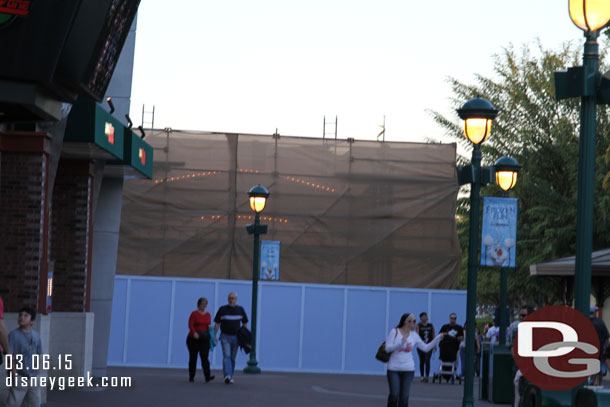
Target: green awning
92	132
138	153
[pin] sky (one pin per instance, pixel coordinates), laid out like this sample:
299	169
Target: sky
254	66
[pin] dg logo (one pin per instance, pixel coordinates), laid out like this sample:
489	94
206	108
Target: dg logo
556	348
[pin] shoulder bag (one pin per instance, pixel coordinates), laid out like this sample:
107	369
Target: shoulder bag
381	354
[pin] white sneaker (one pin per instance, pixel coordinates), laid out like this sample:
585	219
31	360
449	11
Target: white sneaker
231	381
227	379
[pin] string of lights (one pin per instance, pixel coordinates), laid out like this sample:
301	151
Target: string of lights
187	176
245	171
308	183
246	217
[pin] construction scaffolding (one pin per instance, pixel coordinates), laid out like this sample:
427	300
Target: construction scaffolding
345	211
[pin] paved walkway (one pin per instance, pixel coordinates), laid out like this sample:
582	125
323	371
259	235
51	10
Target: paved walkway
170	387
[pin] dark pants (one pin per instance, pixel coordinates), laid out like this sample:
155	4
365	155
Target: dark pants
400	386
477	364
199	346
424	361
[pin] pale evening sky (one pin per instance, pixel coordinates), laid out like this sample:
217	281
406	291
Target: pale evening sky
251	66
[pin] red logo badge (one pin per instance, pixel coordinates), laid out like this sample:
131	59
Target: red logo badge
142	155
556	348
109	131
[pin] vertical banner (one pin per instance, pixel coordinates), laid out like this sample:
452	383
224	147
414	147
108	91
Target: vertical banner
270	260
499	232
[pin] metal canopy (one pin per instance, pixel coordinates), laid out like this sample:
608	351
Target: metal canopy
600	265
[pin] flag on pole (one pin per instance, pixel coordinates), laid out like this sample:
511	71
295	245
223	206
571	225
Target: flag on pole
499	232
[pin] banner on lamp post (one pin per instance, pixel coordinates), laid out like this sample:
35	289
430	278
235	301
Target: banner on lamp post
499	232
270	260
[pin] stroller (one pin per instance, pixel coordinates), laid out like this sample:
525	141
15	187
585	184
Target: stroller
448	353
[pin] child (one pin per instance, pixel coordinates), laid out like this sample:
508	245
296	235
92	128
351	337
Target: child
25	341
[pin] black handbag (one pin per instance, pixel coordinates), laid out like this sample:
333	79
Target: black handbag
381	354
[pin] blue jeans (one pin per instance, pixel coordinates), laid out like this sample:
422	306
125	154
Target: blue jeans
462	361
400	386
229	352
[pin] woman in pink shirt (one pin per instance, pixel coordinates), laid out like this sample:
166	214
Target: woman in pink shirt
401	342
198	340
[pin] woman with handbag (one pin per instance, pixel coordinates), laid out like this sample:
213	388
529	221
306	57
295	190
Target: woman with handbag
198	340
401	342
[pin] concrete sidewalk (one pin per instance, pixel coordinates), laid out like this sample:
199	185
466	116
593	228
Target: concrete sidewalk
170	387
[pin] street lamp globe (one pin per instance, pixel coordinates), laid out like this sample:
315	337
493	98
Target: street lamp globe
589	15
258	198
477	114
506	169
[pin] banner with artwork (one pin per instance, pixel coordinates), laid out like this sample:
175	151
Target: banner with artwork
499	232
270	260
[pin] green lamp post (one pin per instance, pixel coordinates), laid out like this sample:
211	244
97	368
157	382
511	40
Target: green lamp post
477	114
593	88
506	169
590	16
587	83
258	199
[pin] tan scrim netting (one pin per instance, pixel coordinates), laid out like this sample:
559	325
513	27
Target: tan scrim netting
355	213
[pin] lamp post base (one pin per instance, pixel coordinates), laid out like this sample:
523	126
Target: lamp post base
252	367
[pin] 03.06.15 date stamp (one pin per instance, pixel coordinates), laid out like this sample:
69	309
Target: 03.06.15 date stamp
38	362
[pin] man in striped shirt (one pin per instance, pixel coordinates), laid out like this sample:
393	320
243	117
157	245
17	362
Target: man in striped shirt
229	317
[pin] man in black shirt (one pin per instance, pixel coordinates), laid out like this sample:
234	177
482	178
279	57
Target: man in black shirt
450	344
452	329
229	318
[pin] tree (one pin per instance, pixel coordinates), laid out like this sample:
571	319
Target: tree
542	134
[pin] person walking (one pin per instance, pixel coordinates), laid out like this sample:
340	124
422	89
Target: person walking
24	341
4	344
425	331
602	335
198	340
519	381
512	329
493	333
477	356
5	348
477	349
229	317
400	343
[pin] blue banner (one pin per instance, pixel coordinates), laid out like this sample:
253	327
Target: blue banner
270	260
499	232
